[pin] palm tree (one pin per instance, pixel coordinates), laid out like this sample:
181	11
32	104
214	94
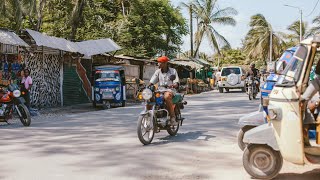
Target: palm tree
295	29
316	29
257	41
208	15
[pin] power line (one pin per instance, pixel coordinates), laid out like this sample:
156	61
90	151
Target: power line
313	9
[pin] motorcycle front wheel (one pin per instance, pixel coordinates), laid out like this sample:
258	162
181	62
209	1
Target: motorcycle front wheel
250	93
145	129
24	114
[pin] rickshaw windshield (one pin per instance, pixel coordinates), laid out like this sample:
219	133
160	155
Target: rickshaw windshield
292	72
107	76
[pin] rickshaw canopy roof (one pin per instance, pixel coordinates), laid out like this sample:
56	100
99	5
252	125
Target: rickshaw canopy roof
109	68
309	41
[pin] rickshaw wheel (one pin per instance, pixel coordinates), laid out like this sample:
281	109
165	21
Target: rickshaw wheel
261	161
123	104
240	136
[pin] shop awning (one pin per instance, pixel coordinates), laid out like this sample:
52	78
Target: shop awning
11	38
53	42
95	47
202	61
191	64
132	58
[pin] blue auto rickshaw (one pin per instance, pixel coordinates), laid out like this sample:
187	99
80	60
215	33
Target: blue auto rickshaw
109	86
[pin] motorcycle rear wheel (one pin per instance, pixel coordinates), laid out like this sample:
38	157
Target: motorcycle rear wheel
146	123
173	130
25	117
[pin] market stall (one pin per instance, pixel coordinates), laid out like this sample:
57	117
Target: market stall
11	61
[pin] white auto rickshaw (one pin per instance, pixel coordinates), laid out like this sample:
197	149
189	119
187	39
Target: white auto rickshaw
283	136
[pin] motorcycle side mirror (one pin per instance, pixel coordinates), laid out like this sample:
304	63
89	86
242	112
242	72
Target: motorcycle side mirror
172	77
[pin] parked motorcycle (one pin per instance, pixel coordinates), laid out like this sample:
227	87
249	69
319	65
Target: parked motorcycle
10	102
155	116
252	87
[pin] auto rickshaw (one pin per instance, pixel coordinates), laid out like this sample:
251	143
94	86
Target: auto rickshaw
285	135
109	86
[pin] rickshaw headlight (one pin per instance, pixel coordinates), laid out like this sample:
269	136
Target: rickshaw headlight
97	97
117	89
16	93
118	96
147	94
272	114
97	89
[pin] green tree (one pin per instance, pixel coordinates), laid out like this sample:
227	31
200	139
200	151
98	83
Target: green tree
154	27
229	56
209	15
257	40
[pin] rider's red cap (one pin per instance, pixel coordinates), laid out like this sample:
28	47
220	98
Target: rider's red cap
163	59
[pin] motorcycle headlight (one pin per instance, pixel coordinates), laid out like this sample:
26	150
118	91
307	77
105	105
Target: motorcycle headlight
16	93
147	94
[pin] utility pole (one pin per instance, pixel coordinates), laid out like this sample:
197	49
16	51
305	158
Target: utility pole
191	31
271	34
300	11
300	24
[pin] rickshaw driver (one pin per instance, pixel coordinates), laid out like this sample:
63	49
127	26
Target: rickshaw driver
312	96
312	89
162	76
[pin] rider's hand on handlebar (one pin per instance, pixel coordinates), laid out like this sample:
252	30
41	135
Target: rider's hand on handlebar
173	86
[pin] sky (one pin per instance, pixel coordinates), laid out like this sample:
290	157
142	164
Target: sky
278	15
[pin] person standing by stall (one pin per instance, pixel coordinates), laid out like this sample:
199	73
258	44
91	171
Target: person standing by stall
26	86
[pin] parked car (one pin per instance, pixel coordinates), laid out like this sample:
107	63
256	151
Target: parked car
231	78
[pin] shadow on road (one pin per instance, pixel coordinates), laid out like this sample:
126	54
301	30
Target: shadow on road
310	175
184	137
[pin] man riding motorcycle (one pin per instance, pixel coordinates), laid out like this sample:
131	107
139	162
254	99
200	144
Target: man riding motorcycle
162	76
255	73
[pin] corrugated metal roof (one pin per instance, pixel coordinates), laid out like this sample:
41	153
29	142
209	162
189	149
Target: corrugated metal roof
11	38
132	58
189	63
202	61
87	48
100	46
53	42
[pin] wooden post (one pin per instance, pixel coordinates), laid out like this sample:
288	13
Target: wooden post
61	78
318	133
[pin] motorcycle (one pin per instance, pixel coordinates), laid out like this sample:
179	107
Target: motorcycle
252	87
155	116
10	102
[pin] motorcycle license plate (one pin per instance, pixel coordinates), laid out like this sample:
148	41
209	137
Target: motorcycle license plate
107	95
